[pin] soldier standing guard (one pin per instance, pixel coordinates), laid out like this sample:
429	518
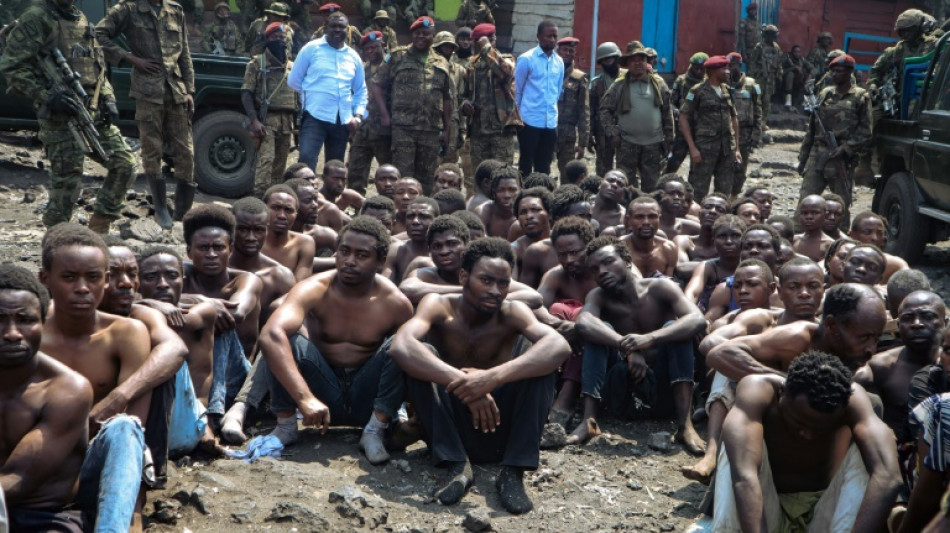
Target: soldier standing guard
608	54
713	148
222	36
747	97
681	85
271	106
474	12
765	65
163	85
372	139
381	23
254	40
845	111
573	108
56	25
446	46
750	30
818	56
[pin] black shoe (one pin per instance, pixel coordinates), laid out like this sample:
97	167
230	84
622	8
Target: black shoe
157	187
461	479
184	197
510	485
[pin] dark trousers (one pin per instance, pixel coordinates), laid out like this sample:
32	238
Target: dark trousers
156	429
536	147
314	133
447	422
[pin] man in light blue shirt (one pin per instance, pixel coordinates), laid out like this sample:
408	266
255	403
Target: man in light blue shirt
539	77
328	74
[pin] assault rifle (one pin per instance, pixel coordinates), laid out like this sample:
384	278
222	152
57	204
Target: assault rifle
811	105
62	79
887	94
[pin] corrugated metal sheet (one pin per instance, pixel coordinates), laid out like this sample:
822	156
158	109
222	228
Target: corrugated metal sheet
526	14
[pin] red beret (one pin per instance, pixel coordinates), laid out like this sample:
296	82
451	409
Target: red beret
483	30
843	60
734	56
571	41
272	27
329	8
371	37
715	62
422	22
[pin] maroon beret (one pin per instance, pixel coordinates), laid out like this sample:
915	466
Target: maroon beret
571	41
329	8
715	62
371	37
422	22
734	56
843	60
482	30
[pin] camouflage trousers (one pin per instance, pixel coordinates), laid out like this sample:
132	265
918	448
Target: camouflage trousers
768	90
161	124
815	181
272	153
493	146
363	148
745	148
717	161
565	150
416	155
643	158
66	159
605	155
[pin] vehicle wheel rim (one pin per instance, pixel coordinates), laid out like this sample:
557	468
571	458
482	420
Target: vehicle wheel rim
894	215
227	154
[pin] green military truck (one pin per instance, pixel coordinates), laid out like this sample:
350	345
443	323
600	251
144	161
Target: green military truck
913	189
224	150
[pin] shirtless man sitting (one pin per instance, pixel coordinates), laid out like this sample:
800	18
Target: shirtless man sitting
813	243
385	180
482	192
498	213
292	249
727	234
450	201
407	190
763	198
250	232
748	210
804	453
419	215
671	196
447	176
834	214
42	448
447	237
633	327
871	228
476	229
694	249
608	205
758	242
651	254
382	209
106	350
480	396
532	207
343	370
315	216
334	186
865	264
567	200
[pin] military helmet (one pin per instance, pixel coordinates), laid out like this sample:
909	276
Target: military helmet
651	53
444	37
770	28
824	35
929	24
698	58
279	8
909	19
219	5
606	50
833	54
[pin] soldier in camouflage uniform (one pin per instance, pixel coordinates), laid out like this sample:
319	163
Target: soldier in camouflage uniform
58	25
474	12
222	36
713	147
638	120
265	78
573	108
163	85
746	96
750	31
765	65
254	40
845	110
413	9
298	14
11	9
608	55
693	76
445	46
372	139
419	83
491	104
353	34
826	80
381	23
818	56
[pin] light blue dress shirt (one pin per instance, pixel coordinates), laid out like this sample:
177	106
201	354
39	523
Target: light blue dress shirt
330	81
539	80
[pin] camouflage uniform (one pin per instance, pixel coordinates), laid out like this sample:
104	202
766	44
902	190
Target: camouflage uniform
416	8
254	41
750	35
573	116
893	58
41	29
11	9
474	12
299	13
681	86
419	87
280	120
747	98
605	152
634	155
227	36
390	41
818	59
159	98
371	140
848	116
462	136
492	83
765	65
366	9
711	114
460	85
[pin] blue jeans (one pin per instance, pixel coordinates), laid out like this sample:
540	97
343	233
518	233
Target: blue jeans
111	474
351	394
314	133
228	371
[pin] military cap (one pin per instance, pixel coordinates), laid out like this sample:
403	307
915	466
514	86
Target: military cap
844	60
279	8
634	45
715	62
699	58
734	56
631	52
770	28
372	37
483	30
381	14
825	34
568	41
330	8
422	22
219	5
444	37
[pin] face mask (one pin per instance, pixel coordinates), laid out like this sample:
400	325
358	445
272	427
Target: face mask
613	69
278	49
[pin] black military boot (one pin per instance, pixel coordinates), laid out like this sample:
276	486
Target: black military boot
157	187
184	197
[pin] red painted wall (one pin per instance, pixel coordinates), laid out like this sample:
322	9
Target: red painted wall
619	22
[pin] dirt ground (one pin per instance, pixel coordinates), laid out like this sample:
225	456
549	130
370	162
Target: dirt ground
625	480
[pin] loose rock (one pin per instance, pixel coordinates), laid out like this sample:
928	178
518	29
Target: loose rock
660	441
477	520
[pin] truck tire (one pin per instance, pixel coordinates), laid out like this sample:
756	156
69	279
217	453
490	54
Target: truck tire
224	154
907	229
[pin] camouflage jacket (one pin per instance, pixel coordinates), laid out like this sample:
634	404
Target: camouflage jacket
474	12
750	34
419	87
765	64
711	113
681	86
226	36
617	102
893	58
598	88
847	115
818	59
389	36
573	107
747	99
281	97
160	36
372	126
492	92
254	40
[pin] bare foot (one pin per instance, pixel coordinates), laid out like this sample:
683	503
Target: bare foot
690	440
584	431
701	471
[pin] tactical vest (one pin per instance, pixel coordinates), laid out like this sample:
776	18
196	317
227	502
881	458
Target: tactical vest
226	35
77	42
282	97
744	98
569	105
